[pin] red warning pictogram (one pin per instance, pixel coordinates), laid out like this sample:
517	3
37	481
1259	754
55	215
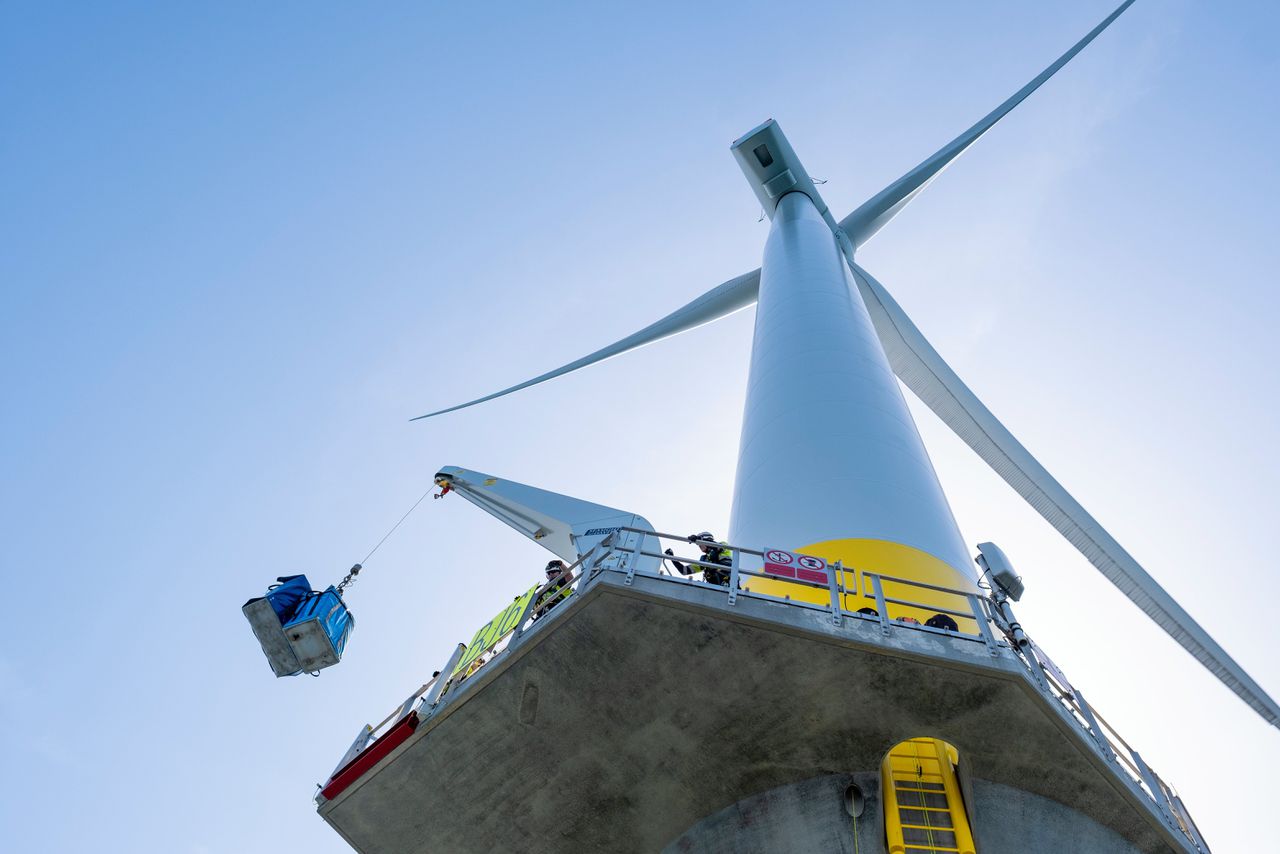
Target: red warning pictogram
785	564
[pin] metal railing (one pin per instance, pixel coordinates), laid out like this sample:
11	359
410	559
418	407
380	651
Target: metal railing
976	617
1111	744
969	605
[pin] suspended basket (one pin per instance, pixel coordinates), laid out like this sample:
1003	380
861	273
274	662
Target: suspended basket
299	629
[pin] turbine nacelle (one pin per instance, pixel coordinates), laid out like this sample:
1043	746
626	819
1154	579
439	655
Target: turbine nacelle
773	169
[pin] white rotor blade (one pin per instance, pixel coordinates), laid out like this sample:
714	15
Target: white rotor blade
733	295
923	371
871	216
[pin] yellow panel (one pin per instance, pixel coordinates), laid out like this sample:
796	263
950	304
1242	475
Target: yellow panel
884	558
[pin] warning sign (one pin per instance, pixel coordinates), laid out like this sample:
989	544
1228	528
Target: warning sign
785	564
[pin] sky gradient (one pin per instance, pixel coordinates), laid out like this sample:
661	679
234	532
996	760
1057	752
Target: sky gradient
244	244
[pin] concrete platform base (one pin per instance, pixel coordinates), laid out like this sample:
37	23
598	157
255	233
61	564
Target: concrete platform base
640	712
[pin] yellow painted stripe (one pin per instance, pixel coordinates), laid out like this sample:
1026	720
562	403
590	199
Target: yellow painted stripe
859	556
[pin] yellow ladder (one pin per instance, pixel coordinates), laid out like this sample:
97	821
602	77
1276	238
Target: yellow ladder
923	809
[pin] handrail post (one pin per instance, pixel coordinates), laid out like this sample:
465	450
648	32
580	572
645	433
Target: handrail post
366	734
406	707
984	628
609	549
844	589
1189	825
1028	653
881	608
442	681
635	558
832	571
1157	791
583	563
1096	730
736	562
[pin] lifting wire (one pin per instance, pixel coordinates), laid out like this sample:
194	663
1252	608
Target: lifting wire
350	577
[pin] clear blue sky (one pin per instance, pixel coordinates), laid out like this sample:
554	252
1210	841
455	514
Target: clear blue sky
243	244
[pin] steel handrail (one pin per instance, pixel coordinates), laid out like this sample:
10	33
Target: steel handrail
744	550
1160	793
964	615
841	593
895	580
663	536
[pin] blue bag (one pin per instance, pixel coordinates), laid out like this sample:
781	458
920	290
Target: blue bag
287	594
319	629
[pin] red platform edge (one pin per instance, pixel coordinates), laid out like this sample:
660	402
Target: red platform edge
370	756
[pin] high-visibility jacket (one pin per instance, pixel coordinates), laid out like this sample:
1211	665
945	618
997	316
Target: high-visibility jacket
552	596
722	556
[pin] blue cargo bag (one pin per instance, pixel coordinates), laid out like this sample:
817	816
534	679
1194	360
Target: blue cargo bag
299	630
319	630
286	595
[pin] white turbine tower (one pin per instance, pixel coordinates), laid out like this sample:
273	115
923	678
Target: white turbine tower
829	338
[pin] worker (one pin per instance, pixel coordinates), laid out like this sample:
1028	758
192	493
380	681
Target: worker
556	589
712	552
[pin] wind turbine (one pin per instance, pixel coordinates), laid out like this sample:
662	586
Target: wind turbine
829	336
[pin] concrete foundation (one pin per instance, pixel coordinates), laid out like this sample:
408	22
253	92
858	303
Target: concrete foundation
808	816
1009	821
811	817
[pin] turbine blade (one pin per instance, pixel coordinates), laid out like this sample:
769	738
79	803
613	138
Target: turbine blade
725	299
872	215
923	371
